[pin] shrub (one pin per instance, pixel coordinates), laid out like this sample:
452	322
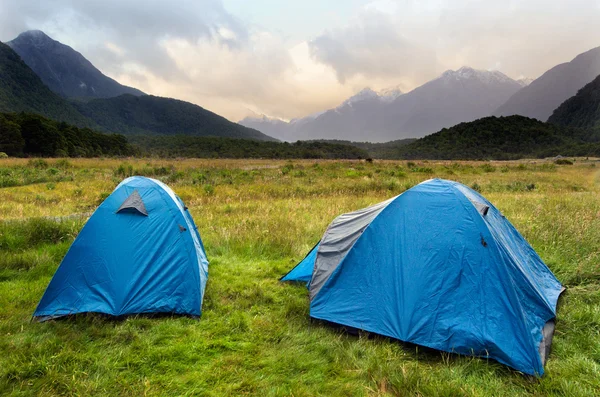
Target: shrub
124	170
63	163
3	155
209	190
563	162
38	163
287	168
423	170
488	168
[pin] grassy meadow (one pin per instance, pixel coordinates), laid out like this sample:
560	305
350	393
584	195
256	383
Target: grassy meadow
257	220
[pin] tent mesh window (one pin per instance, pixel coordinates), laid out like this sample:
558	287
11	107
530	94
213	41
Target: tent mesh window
133	204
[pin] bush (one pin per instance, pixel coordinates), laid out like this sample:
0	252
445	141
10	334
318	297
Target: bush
124	170
38	163
563	162
3	155
488	168
209	190
63	163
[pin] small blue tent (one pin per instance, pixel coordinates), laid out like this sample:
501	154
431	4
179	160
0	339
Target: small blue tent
438	266
140	252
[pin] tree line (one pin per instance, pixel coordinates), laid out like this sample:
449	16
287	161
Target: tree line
24	134
219	147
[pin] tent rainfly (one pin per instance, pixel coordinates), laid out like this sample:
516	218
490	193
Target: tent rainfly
437	266
140	252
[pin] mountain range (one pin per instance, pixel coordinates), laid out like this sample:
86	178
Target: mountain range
456	96
539	99
62	85
40	75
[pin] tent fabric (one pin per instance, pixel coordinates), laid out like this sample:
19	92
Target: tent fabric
432	268
338	240
123	263
303	271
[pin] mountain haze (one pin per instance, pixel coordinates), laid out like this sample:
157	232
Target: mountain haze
64	70
454	97
539	99
457	96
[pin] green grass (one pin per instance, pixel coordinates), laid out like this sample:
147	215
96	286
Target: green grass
257	219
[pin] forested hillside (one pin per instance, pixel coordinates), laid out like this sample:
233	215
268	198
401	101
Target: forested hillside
502	138
21	90
131	115
24	134
581	110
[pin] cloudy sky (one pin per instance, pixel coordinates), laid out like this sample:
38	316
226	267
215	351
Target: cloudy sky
291	58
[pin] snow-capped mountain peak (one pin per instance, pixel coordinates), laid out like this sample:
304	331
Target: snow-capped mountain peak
468	73
386	95
525	81
390	94
262	118
362	95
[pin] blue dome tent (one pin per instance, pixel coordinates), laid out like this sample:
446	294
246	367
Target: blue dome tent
437	266
140	252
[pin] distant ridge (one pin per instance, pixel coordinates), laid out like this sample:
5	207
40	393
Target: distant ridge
539	99
581	110
64	70
501	138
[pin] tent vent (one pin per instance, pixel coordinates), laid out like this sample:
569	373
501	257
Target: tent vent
481	208
134	204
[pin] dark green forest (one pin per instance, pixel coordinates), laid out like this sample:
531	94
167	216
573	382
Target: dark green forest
502	138
23	134
581	110
211	147
387	150
150	115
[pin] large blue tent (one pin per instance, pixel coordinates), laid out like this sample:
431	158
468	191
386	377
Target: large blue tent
437	266
140	252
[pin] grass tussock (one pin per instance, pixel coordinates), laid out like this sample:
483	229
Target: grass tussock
257	220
